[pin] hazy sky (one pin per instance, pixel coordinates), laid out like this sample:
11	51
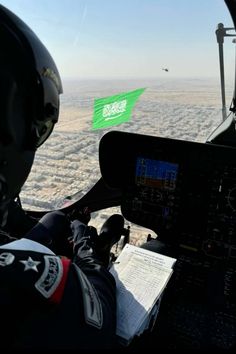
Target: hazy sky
130	38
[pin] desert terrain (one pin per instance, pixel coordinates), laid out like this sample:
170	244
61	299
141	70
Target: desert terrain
188	109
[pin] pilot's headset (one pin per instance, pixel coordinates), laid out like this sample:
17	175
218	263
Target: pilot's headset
30	86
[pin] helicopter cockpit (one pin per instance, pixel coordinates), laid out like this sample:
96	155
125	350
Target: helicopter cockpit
182	191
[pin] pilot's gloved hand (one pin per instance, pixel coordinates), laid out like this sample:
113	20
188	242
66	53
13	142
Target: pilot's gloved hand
87	243
53	230
84	240
85	246
82	214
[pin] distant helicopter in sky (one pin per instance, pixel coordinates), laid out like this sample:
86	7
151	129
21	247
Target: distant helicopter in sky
165	69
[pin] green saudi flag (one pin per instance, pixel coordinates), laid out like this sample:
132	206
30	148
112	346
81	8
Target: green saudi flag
114	110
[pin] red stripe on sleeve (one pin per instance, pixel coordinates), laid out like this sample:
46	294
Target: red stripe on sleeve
58	293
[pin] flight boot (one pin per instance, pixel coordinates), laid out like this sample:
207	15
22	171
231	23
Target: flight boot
110	234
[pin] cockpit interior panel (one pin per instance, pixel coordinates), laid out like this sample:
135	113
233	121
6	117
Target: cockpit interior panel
186	193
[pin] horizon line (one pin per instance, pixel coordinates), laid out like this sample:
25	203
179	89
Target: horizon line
140	78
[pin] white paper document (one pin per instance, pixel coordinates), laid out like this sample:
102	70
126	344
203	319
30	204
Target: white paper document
141	276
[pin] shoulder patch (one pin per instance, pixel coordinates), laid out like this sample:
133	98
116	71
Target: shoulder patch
51	276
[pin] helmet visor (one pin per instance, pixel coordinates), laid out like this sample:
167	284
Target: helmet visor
42	131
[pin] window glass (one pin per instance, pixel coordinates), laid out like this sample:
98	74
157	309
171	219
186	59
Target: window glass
104	48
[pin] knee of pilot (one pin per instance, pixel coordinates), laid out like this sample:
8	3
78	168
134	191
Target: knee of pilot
54	218
56	222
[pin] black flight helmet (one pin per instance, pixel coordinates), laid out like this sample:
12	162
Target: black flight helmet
30	86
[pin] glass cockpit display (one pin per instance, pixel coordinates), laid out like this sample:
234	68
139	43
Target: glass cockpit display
156	173
156	184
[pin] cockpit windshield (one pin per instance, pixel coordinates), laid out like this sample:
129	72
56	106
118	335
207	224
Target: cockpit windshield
105	48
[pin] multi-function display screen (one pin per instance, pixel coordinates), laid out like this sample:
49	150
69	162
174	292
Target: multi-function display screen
156	173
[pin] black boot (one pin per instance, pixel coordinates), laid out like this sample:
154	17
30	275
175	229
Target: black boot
110	233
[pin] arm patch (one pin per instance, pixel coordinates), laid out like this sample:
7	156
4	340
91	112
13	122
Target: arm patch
92	306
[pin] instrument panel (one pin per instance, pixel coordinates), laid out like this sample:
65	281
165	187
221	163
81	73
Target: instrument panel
184	191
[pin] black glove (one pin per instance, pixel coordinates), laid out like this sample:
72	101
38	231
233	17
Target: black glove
84	243
88	243
83	214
